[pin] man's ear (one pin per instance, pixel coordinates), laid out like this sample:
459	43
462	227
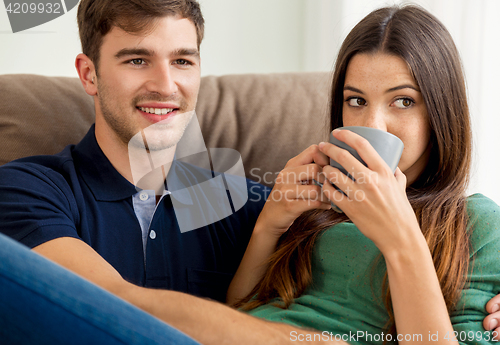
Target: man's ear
86	71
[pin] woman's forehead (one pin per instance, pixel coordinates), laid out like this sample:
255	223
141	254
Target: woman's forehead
379	70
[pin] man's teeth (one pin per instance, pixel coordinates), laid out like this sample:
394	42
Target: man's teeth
157	111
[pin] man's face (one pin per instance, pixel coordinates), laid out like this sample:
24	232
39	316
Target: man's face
146	79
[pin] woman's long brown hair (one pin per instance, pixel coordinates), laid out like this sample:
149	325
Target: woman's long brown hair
437	196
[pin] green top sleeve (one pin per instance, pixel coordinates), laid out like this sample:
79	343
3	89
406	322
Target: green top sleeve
483	281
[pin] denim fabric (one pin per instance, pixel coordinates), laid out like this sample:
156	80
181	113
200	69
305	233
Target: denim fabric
43	303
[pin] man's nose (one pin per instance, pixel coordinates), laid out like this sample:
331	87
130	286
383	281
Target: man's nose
162	80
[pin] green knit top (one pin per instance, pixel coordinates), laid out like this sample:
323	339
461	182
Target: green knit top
345	300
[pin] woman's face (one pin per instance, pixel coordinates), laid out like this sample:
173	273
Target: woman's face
379	92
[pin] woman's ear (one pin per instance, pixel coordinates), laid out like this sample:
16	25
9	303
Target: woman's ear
87	73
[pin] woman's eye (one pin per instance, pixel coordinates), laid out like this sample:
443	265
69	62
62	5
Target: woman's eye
403	103
137	62
356	102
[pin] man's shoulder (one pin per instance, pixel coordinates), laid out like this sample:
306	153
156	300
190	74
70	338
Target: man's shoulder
37	201
52	167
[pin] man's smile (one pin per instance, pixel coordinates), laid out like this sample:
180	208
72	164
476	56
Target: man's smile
157	111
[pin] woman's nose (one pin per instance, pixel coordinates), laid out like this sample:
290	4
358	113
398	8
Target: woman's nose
376	119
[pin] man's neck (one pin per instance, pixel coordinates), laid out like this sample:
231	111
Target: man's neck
144	169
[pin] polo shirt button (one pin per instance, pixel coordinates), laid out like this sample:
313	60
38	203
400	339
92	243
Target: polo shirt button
152	234
143	196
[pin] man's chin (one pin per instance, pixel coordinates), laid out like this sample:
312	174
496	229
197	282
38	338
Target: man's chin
162	135
161	146
153	142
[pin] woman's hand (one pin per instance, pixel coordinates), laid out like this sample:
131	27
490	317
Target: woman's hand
377	204
376	201
295	192
492	321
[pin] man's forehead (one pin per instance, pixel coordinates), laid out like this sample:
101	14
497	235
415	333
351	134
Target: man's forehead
175	30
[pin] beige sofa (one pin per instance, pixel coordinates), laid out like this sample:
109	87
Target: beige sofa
267	118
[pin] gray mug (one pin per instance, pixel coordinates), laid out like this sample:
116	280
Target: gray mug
387	145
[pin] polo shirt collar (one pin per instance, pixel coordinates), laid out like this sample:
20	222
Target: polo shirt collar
105	182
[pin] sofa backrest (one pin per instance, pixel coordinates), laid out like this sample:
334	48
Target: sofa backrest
268	118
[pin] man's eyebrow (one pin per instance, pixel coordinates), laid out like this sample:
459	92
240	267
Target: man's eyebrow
133	51
392	89
186	52
146	52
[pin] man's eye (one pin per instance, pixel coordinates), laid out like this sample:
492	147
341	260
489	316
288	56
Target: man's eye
137	62
403	103
183	62
356	101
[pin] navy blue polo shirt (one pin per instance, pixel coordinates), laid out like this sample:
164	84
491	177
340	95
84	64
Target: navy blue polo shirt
78	193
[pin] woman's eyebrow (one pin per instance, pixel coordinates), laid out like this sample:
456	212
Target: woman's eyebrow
404	86
392	89
353	89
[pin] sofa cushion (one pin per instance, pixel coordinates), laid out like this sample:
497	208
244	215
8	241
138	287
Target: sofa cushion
268	118
41	115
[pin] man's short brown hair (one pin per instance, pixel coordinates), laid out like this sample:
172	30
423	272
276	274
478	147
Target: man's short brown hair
97	17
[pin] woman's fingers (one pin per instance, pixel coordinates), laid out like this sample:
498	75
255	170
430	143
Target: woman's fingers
492	321
493	304
299	206
310	155
340	180
400	177
298	192
288	201
297	180
295	191
334	195
299	175
364	149
343	157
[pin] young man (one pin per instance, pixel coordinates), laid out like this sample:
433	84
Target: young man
86	207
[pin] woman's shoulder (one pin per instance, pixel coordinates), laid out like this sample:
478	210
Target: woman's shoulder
480	207
484	221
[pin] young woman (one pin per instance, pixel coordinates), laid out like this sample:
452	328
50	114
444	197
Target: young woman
411	259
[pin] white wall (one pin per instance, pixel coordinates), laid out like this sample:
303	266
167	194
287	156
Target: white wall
265	36
48	49
252	36
241	36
